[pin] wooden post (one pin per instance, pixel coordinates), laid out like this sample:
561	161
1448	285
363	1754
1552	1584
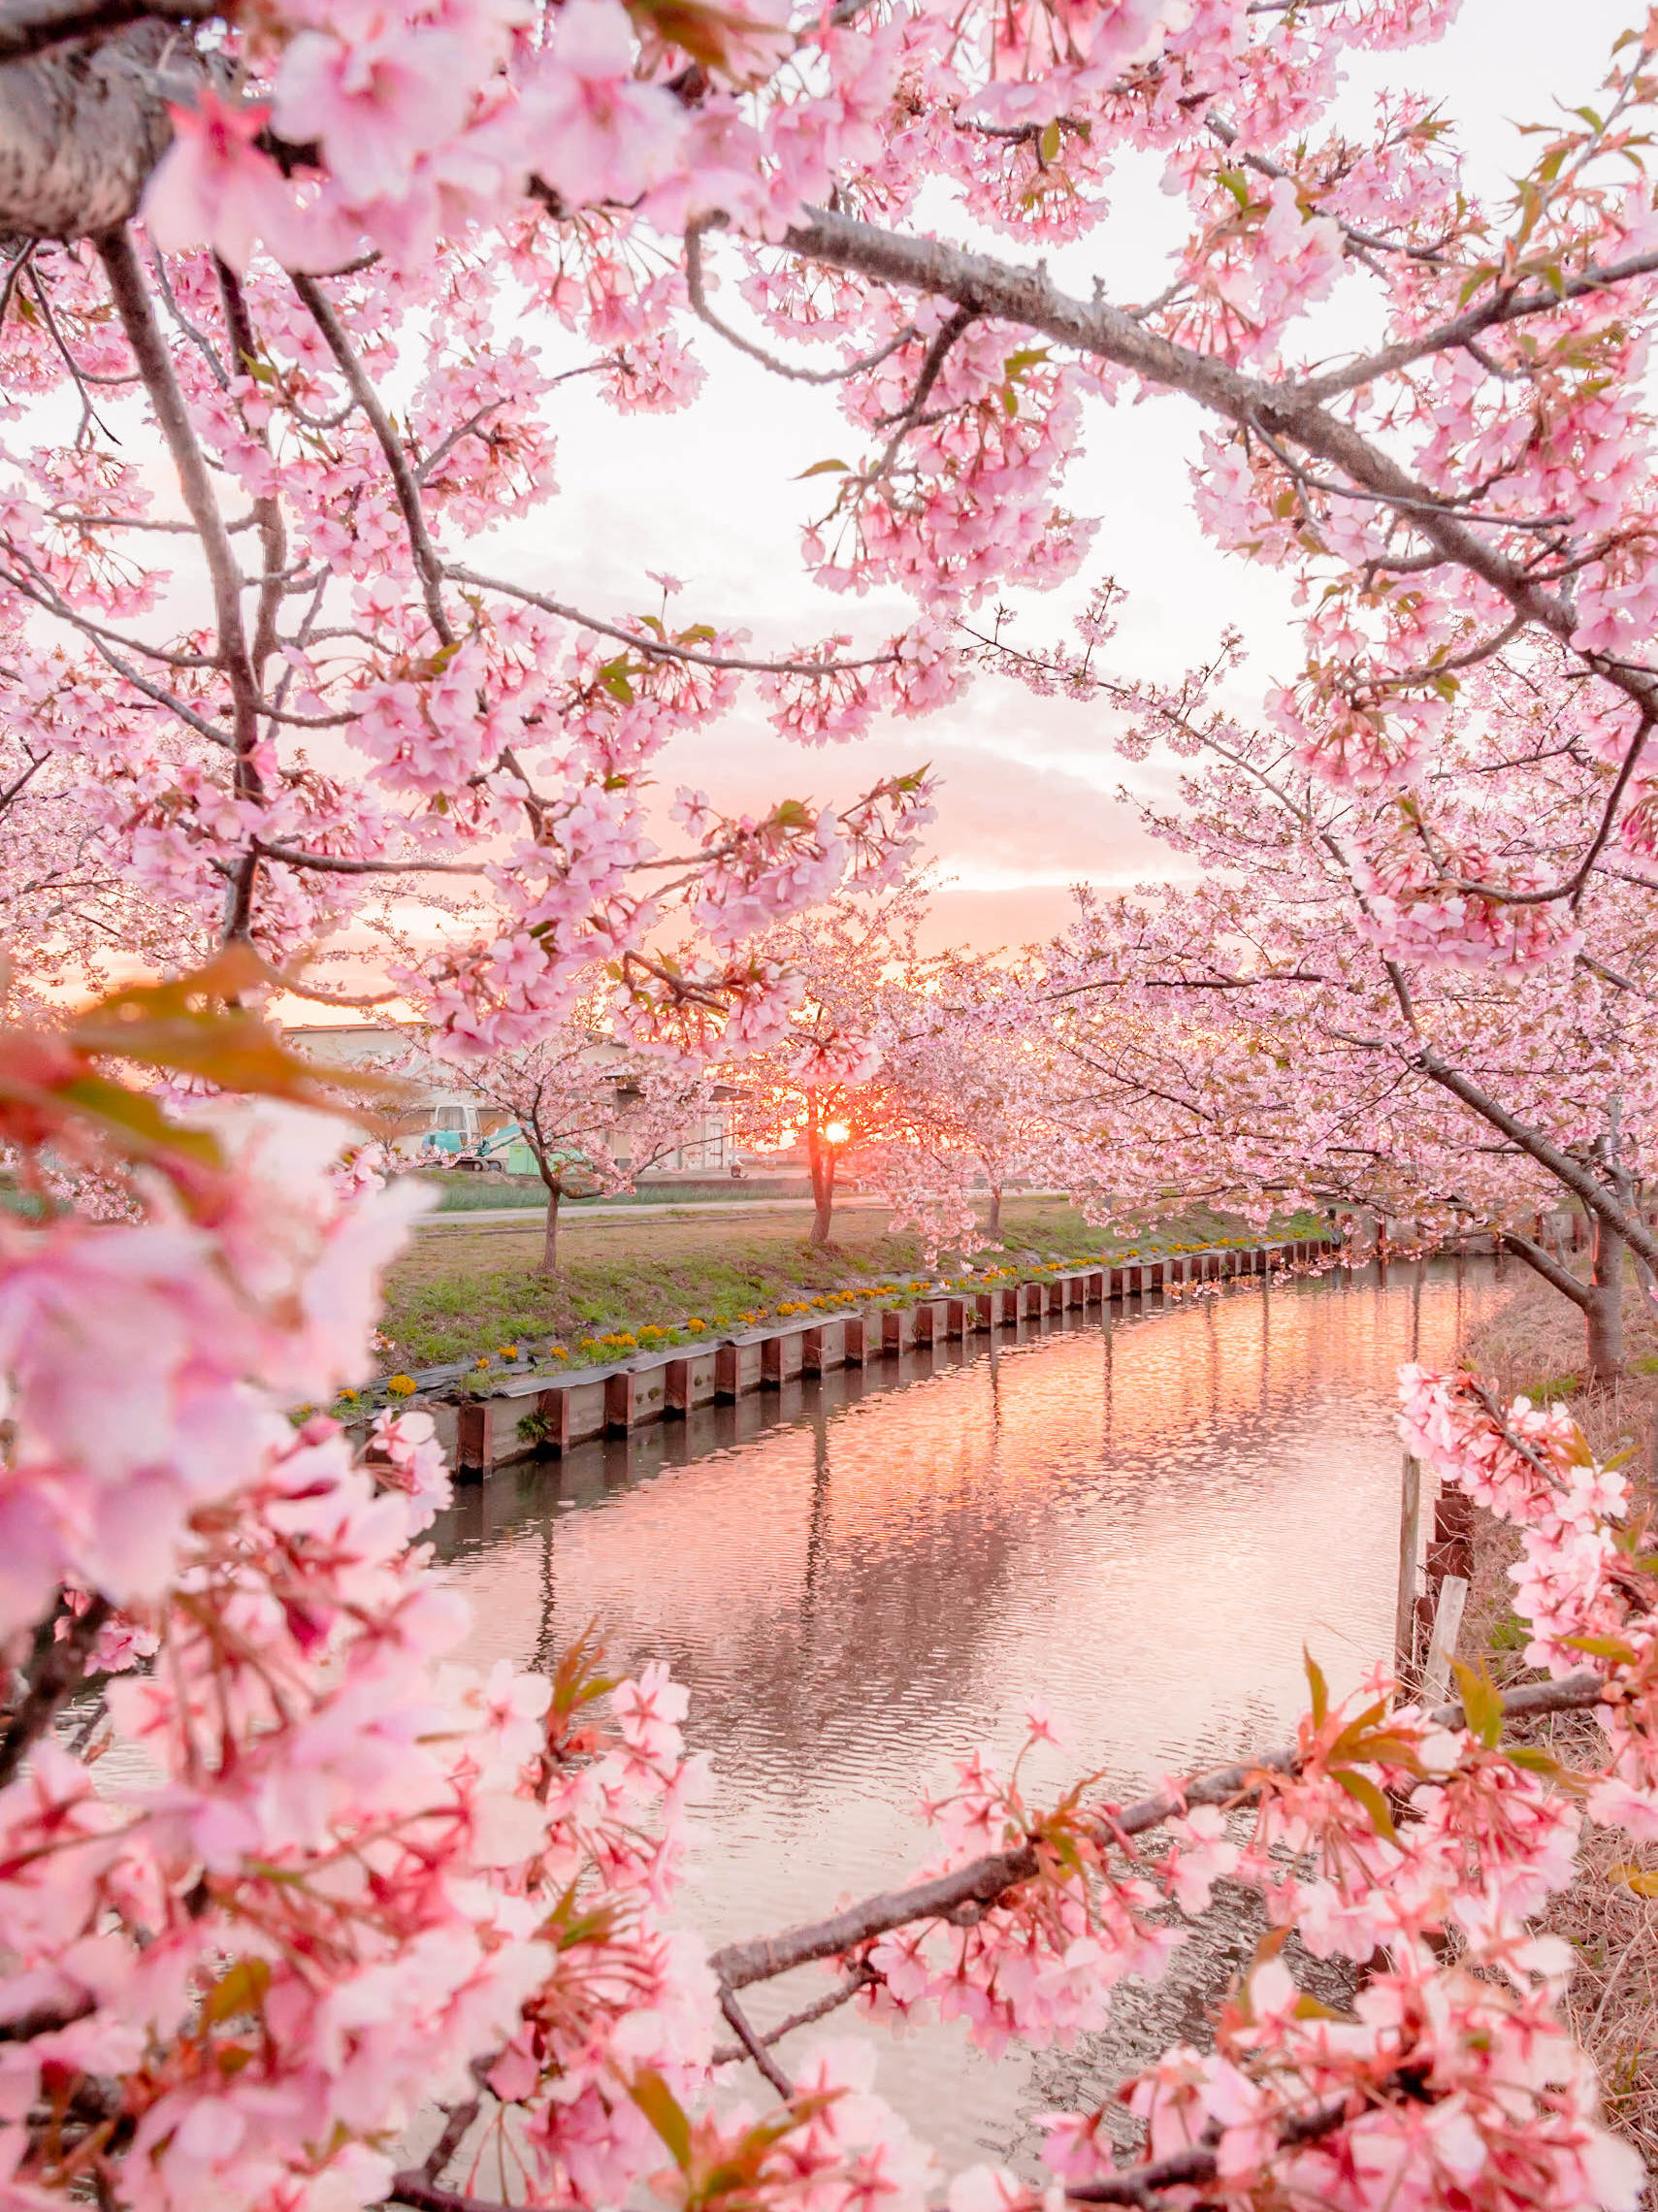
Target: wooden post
475	1437
1410	1538
619	1403
823	1346
553	1406
1452	1551
931	1321
1442	1644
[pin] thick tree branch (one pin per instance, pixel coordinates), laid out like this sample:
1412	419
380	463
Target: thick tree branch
155	364
1548	1267
982	1881
82	129
1561	1165
28	28
1287	412
341	863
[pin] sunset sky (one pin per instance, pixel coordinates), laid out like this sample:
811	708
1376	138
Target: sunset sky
1028	803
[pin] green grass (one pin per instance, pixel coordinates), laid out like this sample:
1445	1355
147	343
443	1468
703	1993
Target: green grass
468	1193
462	1293
1553	1386
465	1193
1509	1634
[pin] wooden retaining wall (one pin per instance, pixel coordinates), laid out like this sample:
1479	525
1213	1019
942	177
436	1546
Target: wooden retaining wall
675	1385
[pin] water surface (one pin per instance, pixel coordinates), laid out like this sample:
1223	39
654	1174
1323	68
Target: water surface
1140	1519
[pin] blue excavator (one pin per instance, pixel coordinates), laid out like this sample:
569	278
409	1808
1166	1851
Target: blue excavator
468	1155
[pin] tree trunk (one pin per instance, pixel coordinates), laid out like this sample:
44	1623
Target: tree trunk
994	1222
821	1159
1604	1312
550	1241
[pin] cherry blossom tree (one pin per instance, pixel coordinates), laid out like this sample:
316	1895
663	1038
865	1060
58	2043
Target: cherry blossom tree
933	1074
349	1879
307	247
577	1091
337	202
988	1097
826	1083
1324	1016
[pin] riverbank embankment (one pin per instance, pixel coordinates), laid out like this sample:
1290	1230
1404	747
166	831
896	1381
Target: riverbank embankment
531	1398
465	1289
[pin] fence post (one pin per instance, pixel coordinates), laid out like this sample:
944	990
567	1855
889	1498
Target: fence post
1442	1644
1409	1537
474	1438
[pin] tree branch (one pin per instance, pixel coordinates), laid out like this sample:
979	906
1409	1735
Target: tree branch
411	2188
657	648
1561	1165
696	288
81	128
982	1881
28	28
1547	1266
403	486
738	2019
341	864
1288	410
155	366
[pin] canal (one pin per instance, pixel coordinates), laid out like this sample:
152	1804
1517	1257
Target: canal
1138	1519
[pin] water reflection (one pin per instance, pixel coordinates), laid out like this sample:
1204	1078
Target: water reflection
1140	1520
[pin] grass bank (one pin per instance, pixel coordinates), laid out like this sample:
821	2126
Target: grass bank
464	1292
1609	1914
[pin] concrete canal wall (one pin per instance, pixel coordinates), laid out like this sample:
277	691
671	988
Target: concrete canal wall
536	1414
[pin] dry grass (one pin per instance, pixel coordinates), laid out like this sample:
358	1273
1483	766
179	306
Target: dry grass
1535	1344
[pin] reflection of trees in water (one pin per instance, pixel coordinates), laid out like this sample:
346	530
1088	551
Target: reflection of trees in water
815	1579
